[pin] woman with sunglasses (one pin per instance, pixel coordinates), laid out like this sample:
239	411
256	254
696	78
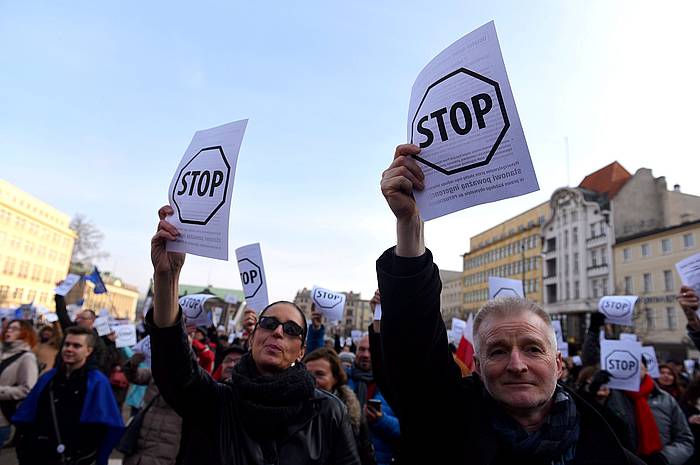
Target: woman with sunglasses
269	410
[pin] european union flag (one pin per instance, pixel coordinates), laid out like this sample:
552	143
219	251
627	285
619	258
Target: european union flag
96	279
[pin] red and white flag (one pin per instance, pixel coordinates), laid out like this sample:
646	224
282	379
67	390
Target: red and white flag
465	349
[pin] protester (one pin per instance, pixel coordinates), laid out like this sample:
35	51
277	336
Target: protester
70	416
205	355
232	355
383	424
324	365
690	404
347	360
512	411
689	302
317	331
269	412
157	440
668	381
250	319
84	319
46	351
18	371
114	358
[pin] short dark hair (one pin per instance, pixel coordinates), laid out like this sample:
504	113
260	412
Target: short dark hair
91	312
232	349
301	312
80	331
333	360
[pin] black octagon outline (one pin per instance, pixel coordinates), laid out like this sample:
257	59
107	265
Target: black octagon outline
627	312
201	310
327	308
259	271
492	152
223	200
506	289
630	354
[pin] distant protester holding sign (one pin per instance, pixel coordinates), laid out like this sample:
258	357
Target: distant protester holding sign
269	410
511	411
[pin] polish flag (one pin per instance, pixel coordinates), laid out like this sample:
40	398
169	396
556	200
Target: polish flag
465	350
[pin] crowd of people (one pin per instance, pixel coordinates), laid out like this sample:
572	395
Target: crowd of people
283	392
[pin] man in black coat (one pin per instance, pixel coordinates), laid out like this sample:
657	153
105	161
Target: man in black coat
511	410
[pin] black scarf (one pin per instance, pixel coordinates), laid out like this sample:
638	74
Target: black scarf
270	403
361	379
556	439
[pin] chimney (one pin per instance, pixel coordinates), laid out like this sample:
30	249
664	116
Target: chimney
676	188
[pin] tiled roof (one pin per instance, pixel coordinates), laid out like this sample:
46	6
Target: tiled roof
607	180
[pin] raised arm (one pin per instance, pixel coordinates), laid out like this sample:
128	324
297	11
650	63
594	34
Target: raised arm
688	300
183	384
62	312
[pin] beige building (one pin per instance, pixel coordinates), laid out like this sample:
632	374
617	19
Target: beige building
645	265
356	315
35	248
509	250
451	295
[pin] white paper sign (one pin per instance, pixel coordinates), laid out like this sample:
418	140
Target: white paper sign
628	337
622	359
126	335
193	309
104	312
216	315
689	271
652	364
689	366
563	347
577	360
463	116
102	326
250	267
51	317
144	346
504	287
330	304
378	312
618	309
556	324
67	284
356	335
458	328
231	299
200	192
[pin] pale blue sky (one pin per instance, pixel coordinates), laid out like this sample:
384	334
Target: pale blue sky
100	99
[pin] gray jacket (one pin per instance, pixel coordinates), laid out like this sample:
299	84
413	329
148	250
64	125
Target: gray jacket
673	427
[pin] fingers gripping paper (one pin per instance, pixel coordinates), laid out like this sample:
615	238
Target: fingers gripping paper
200	192
330	304
463	116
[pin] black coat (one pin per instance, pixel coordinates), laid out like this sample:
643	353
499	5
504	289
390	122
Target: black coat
321	435
443	417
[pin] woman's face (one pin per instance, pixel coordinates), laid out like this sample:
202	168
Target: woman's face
666	377
13	332
45	335
321	369
274	350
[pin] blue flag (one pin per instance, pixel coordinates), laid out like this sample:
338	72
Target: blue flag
96	279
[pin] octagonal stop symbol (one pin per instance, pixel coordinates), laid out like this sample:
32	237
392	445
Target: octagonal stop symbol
622	364
200	189
475	113
251	277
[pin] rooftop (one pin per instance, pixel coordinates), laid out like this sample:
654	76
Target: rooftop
608	180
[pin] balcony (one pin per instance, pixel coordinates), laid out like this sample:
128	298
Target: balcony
596	241
597	270
549	253
549	279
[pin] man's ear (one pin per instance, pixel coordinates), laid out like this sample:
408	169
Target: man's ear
560	364
90	350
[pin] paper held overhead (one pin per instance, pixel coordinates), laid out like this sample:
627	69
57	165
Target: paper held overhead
463	116
200	191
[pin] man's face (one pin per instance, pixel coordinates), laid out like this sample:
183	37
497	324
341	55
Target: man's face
518	361
274	350
85	319
75	350
228	363
363	359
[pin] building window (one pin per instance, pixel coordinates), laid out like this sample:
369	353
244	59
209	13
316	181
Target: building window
576	263
645	250
18	293
651	321
593	230
574	216
605	286
668	280
628	285
594	286
647	283
626	254
665	246
671	318
574	235
577	292
568	290
688	240
594	258
23	270
9	268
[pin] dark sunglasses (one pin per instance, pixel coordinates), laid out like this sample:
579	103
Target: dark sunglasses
289	327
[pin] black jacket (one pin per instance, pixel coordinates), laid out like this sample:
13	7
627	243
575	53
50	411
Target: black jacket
443	416
322	435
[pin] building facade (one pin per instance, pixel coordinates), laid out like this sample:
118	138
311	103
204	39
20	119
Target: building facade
645	266
451	295
36	243
120	299
509	250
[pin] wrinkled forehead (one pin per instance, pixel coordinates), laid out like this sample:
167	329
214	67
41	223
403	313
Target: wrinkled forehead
285	312
518	326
